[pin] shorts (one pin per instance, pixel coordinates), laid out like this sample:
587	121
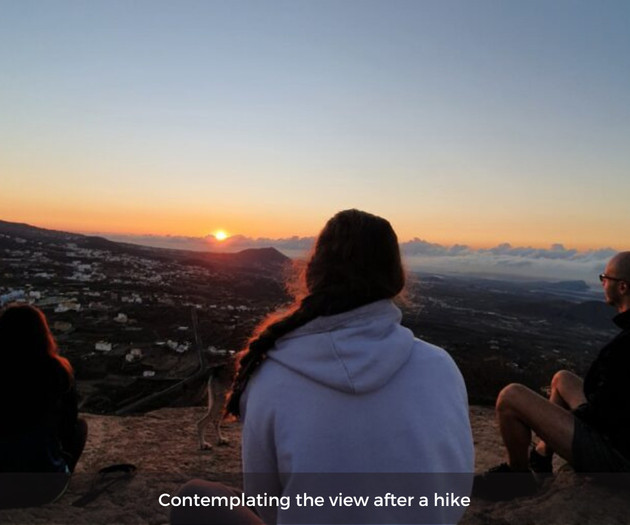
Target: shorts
593	451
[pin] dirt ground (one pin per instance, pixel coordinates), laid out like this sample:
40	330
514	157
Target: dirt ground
163	446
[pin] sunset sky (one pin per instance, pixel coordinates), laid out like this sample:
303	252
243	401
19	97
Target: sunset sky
471	122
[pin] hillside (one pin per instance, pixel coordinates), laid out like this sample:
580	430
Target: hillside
252	259
137	320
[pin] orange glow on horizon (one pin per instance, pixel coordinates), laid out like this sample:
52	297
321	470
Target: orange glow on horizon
220	235
189	224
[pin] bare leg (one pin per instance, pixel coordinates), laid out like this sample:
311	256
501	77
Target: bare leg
200	515
567	391
521	410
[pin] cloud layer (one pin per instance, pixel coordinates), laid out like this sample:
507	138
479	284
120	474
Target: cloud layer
555	262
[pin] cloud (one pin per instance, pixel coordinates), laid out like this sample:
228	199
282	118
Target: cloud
556	262
422	247
291	246
174	242
504	260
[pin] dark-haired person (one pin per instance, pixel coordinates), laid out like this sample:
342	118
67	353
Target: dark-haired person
334	384
585	422
39	429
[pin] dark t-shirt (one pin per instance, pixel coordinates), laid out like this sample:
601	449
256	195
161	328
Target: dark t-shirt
607	389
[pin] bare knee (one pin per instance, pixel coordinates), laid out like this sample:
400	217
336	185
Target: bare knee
182	515
190	488
567	389
561	377
509	396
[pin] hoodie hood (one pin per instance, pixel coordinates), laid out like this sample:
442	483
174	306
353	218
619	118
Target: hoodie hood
355	352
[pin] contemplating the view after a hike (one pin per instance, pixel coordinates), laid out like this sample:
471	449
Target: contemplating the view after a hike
297	262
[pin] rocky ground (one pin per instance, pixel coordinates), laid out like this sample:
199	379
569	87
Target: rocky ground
163	446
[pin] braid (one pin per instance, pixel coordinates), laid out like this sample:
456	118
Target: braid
312	306
250	359
356	260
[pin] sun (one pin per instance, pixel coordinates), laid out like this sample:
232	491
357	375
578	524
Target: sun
220	235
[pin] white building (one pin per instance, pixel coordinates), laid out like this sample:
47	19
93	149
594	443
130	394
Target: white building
103	346
66	306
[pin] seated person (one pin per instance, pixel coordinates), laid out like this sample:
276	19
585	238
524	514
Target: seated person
334	384
585	422
40	431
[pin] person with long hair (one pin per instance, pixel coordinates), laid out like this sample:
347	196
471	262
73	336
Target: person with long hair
335	384
40	430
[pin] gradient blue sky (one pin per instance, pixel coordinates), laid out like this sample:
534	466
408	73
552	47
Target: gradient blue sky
474	122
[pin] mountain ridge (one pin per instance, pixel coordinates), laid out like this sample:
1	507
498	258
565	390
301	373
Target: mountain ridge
251	257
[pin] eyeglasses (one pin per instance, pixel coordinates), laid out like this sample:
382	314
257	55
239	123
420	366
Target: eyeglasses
603	277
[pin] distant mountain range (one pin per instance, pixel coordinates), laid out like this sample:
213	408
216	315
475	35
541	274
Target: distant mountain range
254	259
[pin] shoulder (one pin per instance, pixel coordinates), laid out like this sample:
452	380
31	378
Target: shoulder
617	350
266	381
435	368
433	355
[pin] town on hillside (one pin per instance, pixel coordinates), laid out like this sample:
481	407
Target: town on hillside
135	320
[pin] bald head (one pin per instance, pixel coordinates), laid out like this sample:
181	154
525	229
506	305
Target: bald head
620	266
617	283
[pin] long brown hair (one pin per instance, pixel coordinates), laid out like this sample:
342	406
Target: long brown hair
28	351
356	260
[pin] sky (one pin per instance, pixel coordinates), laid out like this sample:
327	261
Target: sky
470	123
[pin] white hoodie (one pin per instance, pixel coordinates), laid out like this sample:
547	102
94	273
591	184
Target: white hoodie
355	393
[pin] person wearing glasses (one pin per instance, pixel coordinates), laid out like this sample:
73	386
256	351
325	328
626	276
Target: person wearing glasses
586	422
